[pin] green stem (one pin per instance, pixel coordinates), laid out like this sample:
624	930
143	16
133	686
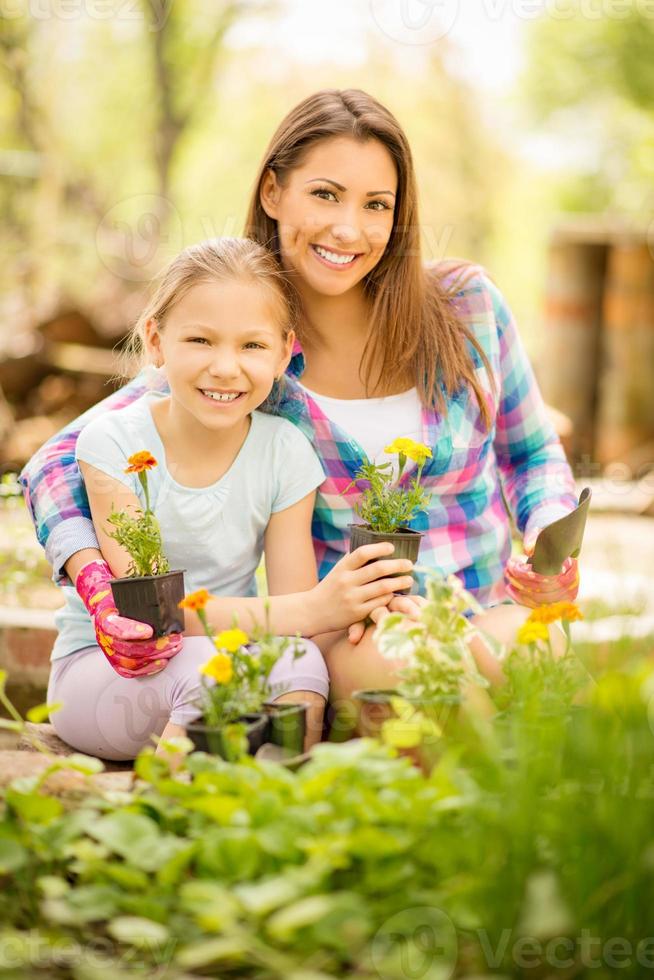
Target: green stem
202	616
143	479
10	708
566	629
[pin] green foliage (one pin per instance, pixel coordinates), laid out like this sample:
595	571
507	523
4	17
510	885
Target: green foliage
433	650
140	536
384	507
597	70
542	680
538	829
246	685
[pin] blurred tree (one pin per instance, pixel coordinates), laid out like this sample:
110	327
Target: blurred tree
595	75
186	48
162	106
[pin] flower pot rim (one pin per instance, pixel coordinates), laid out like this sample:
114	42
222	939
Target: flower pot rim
286	705
381	695
256	718
400	532
147	578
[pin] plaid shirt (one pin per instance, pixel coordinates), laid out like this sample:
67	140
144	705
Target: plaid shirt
472	473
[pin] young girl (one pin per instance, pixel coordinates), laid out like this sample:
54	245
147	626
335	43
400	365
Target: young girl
230	481
387	347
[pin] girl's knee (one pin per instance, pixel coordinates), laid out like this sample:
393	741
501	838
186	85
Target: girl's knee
301	668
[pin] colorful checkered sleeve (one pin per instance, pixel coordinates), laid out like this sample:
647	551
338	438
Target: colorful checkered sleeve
536	478
54	490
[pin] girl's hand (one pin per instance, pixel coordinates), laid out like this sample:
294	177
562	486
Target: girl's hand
410	605
528	588
127	644
353	588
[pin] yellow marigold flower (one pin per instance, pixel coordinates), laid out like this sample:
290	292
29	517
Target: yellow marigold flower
529	632
219	668
412	450
195	600
231	640
139	462
554	611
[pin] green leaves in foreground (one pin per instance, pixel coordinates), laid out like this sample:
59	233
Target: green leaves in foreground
534	826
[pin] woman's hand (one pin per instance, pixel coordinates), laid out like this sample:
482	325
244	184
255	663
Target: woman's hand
354	588
528	588
410	605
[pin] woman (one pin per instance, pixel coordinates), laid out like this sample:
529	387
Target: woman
385	348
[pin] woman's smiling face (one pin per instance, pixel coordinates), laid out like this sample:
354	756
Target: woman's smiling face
334	213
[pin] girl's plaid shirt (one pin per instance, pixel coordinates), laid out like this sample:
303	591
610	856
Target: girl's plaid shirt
473	472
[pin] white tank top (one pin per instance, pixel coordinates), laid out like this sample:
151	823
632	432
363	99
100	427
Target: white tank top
375	422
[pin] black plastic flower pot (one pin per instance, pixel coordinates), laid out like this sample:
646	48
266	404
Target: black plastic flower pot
287	725
405	541
152	599
207	738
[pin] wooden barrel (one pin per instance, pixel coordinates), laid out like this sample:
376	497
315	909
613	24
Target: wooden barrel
625	409
567	369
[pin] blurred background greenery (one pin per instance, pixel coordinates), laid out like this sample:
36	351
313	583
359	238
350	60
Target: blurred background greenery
129	128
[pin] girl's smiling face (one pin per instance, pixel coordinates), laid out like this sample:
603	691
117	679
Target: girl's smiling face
222	347
334	212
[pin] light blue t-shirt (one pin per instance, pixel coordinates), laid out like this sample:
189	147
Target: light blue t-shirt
215	533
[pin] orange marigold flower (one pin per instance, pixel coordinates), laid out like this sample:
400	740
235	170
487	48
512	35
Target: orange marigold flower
556	610
570	611
544	614
195	600
139	462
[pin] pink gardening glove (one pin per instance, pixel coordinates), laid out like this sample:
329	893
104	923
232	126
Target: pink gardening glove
530	589
126	643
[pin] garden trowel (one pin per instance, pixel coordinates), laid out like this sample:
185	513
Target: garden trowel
561	540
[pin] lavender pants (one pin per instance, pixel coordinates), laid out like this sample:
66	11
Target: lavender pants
113	717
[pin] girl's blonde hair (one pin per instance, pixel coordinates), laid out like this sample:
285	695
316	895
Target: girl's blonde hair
215	260
416	330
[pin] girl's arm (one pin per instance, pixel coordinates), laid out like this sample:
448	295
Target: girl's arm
288	549
350	591
346	595
54	491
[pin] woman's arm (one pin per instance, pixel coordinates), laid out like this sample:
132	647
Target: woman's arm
54	491
288	549
536	478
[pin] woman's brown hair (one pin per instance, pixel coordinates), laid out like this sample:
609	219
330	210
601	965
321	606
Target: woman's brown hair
415	329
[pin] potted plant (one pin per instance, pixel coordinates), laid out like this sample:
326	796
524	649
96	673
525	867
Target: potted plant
150	592
385	507
237	718
542	688
435	661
